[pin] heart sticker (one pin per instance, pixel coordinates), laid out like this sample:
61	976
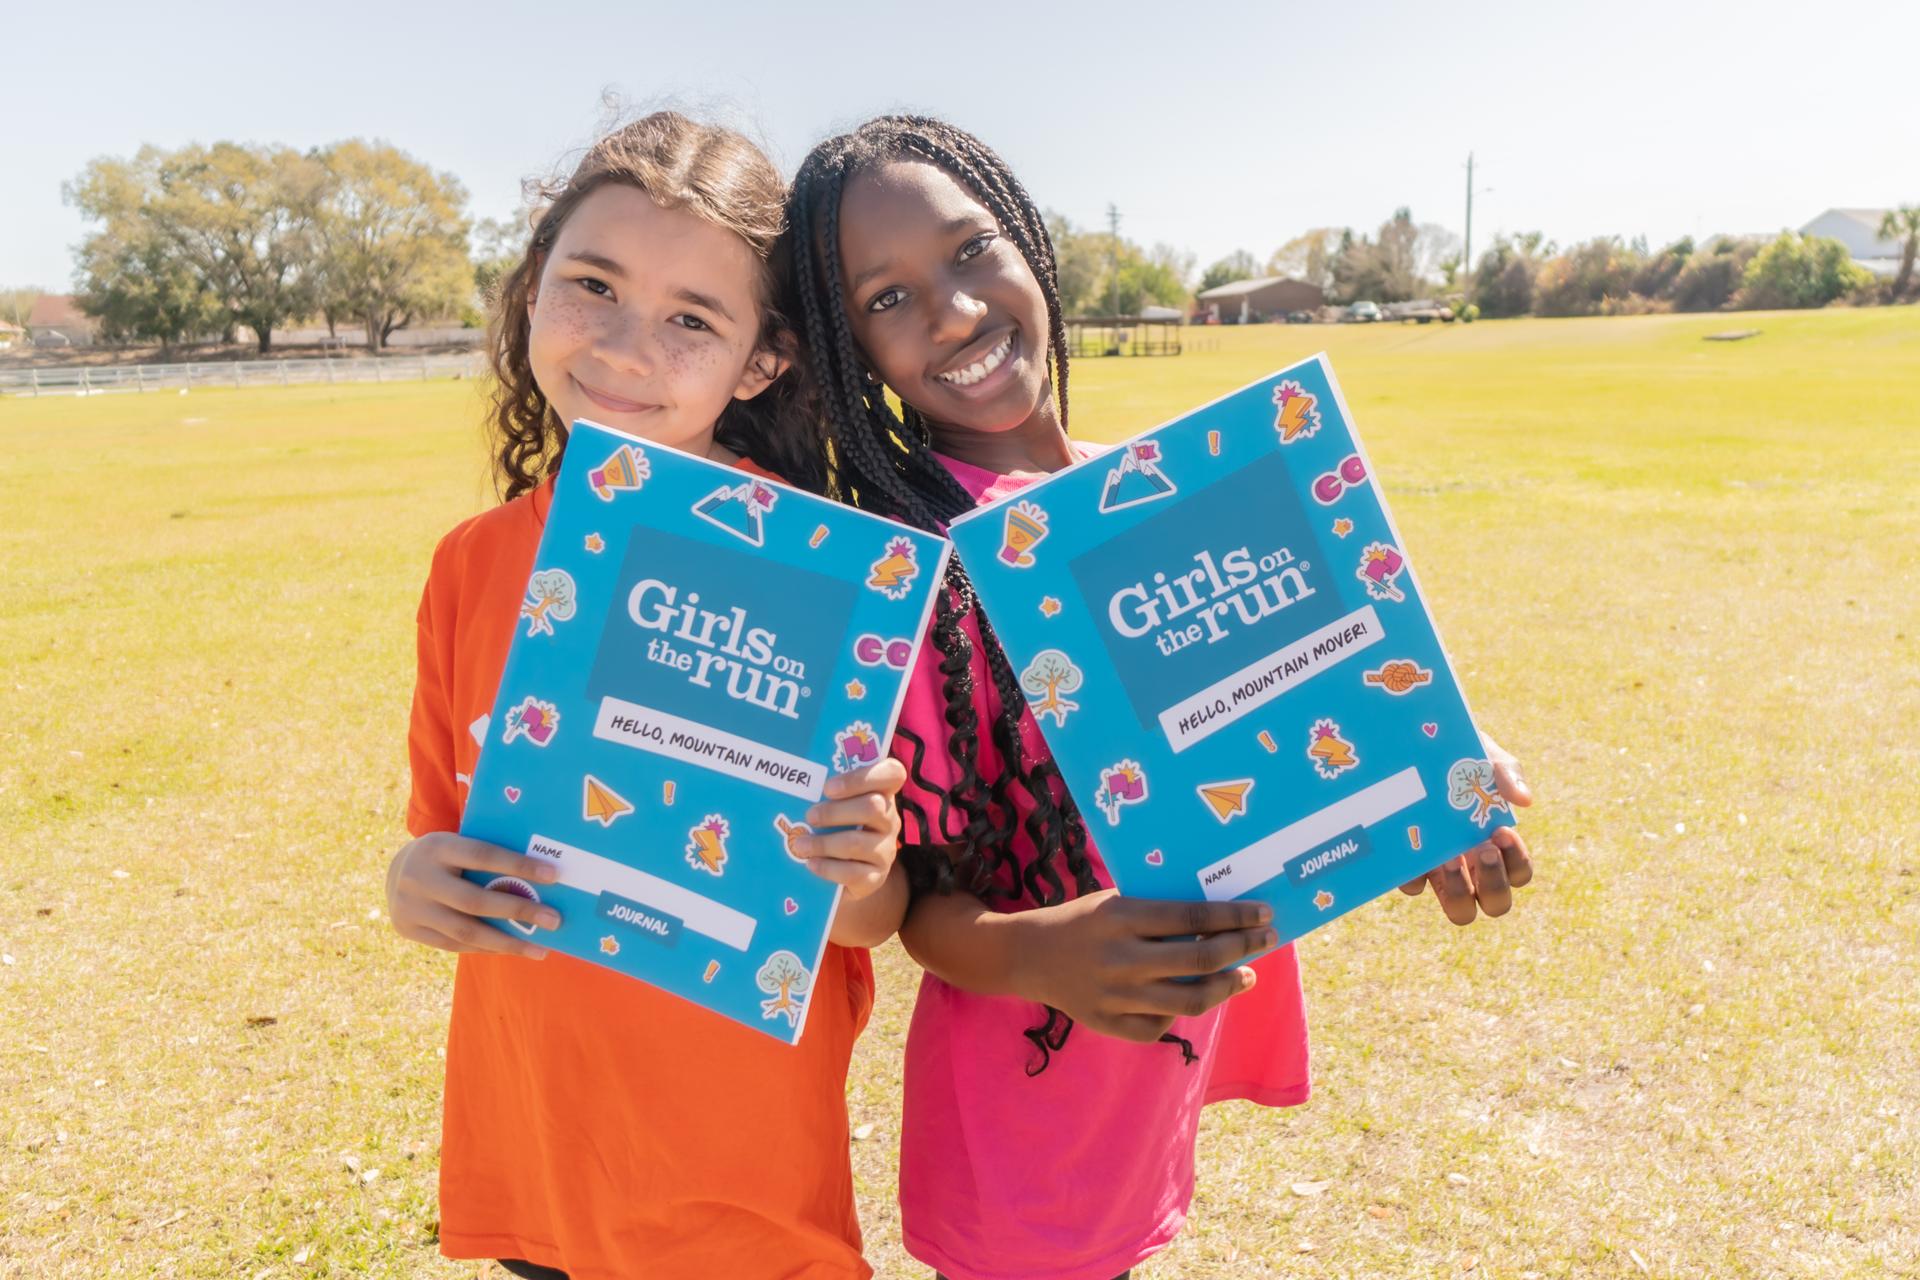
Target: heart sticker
1154	858
513	795
791	906
1429	728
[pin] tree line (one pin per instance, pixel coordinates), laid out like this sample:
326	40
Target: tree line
199	241
1528	274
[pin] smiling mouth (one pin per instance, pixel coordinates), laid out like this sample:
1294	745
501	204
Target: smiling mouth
611	403
967	375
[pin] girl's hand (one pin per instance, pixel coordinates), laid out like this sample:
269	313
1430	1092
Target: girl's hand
860	857
1113	964
1484	877
431	902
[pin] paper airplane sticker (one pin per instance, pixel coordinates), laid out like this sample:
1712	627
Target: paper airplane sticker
892	574
1225	800
626	468
600	803
1136	479
1331	754
1295	415
707	845
739	509
478	730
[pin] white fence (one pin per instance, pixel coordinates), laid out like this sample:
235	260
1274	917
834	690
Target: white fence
87	380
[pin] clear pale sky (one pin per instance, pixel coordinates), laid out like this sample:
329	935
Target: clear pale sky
1212	126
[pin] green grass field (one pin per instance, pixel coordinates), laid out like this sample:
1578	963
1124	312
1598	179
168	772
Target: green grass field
1678	577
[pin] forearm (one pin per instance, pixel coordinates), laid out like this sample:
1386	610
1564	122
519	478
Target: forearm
961	940
871	920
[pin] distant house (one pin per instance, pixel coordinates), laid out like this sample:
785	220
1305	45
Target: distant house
1251	301
57	321
1859	230
11	335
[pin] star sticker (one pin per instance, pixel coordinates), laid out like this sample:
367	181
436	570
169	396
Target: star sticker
596	543
1049	606
1323	899
856	690
610	945
1342	527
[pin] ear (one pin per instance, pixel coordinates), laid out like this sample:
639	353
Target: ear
765	365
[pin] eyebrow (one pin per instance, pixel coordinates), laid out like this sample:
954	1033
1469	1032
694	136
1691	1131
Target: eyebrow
594	260
702	300
952	225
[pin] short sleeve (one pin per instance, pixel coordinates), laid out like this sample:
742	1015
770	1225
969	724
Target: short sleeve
434	804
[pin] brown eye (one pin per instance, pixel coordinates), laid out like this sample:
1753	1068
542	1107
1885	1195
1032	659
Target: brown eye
884	300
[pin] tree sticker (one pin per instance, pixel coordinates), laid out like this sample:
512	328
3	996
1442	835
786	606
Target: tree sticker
549	600
1050	674
786	980
1470	786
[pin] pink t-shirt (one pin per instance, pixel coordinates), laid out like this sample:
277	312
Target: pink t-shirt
1086	1169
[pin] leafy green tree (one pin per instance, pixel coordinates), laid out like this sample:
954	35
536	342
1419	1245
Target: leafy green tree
1308	257
1080	264
1238	265
1799	271
244	218
131	273
391	239
497	244
1903	224
17	304
1657	274
1712	275
1580	281
1504	278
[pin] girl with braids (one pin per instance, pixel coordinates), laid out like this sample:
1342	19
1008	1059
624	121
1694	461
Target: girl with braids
592	1124
923	268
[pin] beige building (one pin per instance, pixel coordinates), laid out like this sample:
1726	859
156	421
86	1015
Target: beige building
1252	301
57	321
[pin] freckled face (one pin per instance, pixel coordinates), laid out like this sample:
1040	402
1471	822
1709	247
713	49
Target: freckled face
645	319
941	302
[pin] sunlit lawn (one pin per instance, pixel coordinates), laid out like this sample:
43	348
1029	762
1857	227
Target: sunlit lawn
1678	577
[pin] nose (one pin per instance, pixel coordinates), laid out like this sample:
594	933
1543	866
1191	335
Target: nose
956	320
622	342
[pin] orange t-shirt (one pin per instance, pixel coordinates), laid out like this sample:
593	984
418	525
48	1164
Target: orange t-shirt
593	1123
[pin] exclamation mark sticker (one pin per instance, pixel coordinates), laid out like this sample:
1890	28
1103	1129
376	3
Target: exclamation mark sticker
1413	838
666	792
1266	740
713	967
819	536
1213	443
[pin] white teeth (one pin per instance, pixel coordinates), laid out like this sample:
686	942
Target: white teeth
980	368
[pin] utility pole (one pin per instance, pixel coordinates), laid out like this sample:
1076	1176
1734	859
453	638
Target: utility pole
1466	260
1113	253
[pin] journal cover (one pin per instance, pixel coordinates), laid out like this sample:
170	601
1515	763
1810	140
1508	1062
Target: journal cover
1220	633
698	649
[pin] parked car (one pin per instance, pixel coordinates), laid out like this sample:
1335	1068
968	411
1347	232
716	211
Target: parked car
1420	309
1299	317
1362	313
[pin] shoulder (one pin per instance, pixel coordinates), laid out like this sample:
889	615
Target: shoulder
753	468
481	540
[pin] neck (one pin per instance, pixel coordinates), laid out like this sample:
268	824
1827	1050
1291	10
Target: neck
1038	444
